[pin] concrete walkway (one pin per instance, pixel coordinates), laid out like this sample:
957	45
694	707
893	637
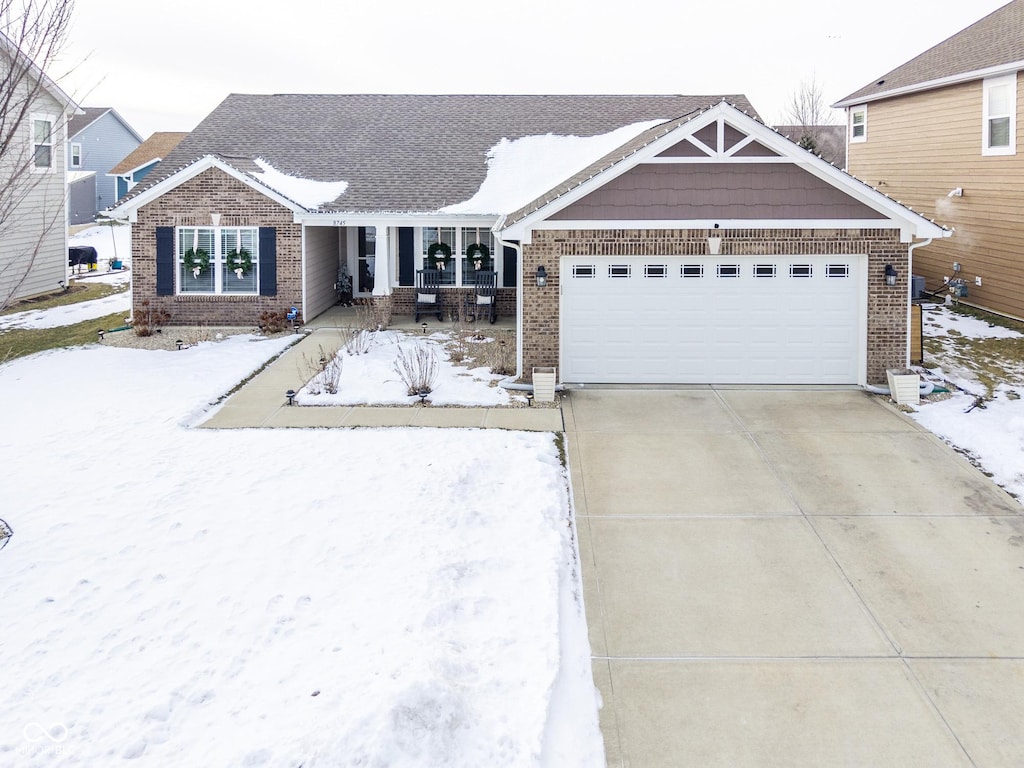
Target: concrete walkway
262	403
794	578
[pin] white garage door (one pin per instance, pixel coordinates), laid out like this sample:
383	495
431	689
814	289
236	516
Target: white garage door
712	320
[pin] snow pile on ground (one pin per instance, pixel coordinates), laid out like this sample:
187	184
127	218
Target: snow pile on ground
70	314
523	169
990	431
371	378
110	242
183	597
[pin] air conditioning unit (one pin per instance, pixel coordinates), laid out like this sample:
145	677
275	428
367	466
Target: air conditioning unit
916	287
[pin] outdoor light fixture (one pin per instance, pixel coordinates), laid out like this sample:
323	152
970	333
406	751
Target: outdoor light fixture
215	219
424	327
101	333
529	399
290	394
890	274
542	276
179	342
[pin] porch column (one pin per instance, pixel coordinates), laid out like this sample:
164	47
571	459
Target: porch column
382	263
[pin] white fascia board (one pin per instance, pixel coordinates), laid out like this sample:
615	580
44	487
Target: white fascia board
393	219
941	82
189	172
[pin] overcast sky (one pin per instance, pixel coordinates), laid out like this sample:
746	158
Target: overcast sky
165	65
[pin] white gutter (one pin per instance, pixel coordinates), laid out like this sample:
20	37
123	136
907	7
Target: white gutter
518	248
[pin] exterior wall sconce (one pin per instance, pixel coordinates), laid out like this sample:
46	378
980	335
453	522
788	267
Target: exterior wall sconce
542	276
714	243
890	274
215	219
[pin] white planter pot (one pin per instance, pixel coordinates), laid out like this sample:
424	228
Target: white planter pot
904	386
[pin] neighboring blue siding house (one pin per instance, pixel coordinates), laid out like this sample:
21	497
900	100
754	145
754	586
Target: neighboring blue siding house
143	159
97	141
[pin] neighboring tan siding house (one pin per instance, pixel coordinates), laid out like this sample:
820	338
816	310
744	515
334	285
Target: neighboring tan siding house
33	230
944	134
678	240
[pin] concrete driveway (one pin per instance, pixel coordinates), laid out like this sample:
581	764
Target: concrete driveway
794	578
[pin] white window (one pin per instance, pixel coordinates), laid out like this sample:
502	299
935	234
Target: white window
221	260
999	125
42	143
481	241
858	124
458	266
76	155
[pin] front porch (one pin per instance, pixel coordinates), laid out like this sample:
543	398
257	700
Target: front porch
349	317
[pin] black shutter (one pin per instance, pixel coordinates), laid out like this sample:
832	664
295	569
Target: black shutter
165	261
268	261
406	256
508	272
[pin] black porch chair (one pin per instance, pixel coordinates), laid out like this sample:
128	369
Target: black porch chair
482	301
428	294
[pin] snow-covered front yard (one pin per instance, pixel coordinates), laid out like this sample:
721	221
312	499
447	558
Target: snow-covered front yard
187	597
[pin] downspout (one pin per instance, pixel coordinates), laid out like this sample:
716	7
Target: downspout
910	282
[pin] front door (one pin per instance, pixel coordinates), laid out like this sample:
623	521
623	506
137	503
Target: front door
366	250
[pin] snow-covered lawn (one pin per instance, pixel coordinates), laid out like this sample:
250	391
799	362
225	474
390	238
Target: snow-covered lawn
70	314
985	419
187	597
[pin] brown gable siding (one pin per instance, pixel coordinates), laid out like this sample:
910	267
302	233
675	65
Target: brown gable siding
715	191
755	149
731	137
683	149
922	146
708	134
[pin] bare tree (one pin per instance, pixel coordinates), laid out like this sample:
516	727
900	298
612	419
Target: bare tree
32	34
808	115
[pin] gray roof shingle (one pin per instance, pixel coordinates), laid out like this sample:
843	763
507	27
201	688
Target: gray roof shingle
401	153
995	40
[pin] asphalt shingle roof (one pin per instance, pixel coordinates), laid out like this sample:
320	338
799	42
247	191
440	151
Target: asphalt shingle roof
994	40
89	115
402	153
155	147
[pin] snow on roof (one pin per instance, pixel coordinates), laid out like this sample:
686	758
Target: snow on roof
308	193
521	170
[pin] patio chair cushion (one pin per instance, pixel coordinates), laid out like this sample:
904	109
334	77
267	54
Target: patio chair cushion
426	298
484	299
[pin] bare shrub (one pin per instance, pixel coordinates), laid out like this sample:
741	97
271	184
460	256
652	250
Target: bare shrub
147	319
321	373
357	341
500	354
273	322
417	368
372	316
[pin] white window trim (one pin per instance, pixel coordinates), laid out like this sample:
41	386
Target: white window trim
52	120
76	146
459	252
987	85
218	262
862	108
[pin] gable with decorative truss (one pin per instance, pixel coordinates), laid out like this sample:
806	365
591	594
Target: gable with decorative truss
719	167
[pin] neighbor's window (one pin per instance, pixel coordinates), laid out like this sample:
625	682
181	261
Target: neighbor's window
76	155
42	142
999	105
858	124
218	260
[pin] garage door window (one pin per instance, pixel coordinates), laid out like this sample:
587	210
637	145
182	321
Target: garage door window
619	270
800	270
837	270
584	270
692	270
655	270
764	270
728	270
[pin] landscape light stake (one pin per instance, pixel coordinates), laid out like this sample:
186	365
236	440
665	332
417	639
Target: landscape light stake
179	342
424	326
290	394
529	399
101	333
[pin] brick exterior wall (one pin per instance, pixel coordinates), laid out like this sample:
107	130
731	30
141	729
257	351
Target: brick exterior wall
403	300
191	204
886	311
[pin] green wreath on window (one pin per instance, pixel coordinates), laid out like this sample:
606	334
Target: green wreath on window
479	254
197	260
434	258
239	262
